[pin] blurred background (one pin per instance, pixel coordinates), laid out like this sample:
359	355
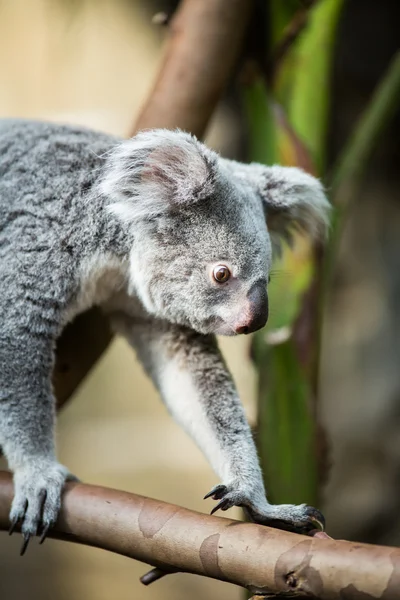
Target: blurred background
92	62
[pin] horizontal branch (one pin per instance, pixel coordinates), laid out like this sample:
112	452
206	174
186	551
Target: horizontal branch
266	561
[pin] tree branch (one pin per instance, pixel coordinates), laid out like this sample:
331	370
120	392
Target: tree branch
377	116
354	160
203	47
80	346
201	52
265	561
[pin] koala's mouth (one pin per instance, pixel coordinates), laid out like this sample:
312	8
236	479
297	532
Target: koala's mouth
218	326
224	329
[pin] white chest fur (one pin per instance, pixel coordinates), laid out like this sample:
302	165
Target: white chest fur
101	276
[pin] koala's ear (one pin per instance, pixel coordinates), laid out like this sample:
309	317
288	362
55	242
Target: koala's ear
293	200
157	171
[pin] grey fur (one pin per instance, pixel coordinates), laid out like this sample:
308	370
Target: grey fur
135	226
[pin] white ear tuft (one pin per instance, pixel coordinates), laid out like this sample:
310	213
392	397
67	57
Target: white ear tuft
156	171
293	200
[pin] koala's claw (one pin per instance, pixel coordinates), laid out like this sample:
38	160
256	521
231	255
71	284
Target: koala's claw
222	505
44	533
37	499
19	516
27	537
13	525
298	519
228	498
217	492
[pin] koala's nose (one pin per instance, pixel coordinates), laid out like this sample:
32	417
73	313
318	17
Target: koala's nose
256	315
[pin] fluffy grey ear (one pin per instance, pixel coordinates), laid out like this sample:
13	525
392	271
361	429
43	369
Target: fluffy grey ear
157	171
293	200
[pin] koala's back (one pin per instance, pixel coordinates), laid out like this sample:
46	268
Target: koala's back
46	175
45	170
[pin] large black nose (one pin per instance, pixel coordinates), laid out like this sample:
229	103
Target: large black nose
256	315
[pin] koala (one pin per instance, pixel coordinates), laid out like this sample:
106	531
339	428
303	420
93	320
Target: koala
175	244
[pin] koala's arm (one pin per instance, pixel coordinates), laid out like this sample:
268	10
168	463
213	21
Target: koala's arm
193	380
27	410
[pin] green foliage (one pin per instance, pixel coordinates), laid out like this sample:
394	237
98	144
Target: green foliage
286	425
263	145
293	132
308	105
354	157
280	16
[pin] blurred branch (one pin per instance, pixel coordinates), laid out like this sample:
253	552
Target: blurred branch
81	345
203	46
382	107
266	561
199	58
346	175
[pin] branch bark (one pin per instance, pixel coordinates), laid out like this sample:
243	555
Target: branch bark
203	46
79	348
265	561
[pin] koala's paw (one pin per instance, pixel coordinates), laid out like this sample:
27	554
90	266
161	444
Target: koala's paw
37	498
290	517
299	518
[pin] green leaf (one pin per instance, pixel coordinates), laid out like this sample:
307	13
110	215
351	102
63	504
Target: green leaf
260	121
286	430
355	157
280	14
286	434
290	278
311	57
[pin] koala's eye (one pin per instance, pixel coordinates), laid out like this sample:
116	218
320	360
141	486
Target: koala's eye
221	273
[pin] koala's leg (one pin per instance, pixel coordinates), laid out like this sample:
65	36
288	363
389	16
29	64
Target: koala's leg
27	410
198	390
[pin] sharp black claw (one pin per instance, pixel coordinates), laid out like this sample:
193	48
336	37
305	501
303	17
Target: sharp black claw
16	520
42	497
27	537
13	525
217	492
156	574
223	505
220	493
209	494
44	533
316	517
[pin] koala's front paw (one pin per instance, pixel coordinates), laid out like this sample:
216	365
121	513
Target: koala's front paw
296	518
37	498
299	518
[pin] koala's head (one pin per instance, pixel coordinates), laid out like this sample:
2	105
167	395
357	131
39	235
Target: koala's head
205	228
